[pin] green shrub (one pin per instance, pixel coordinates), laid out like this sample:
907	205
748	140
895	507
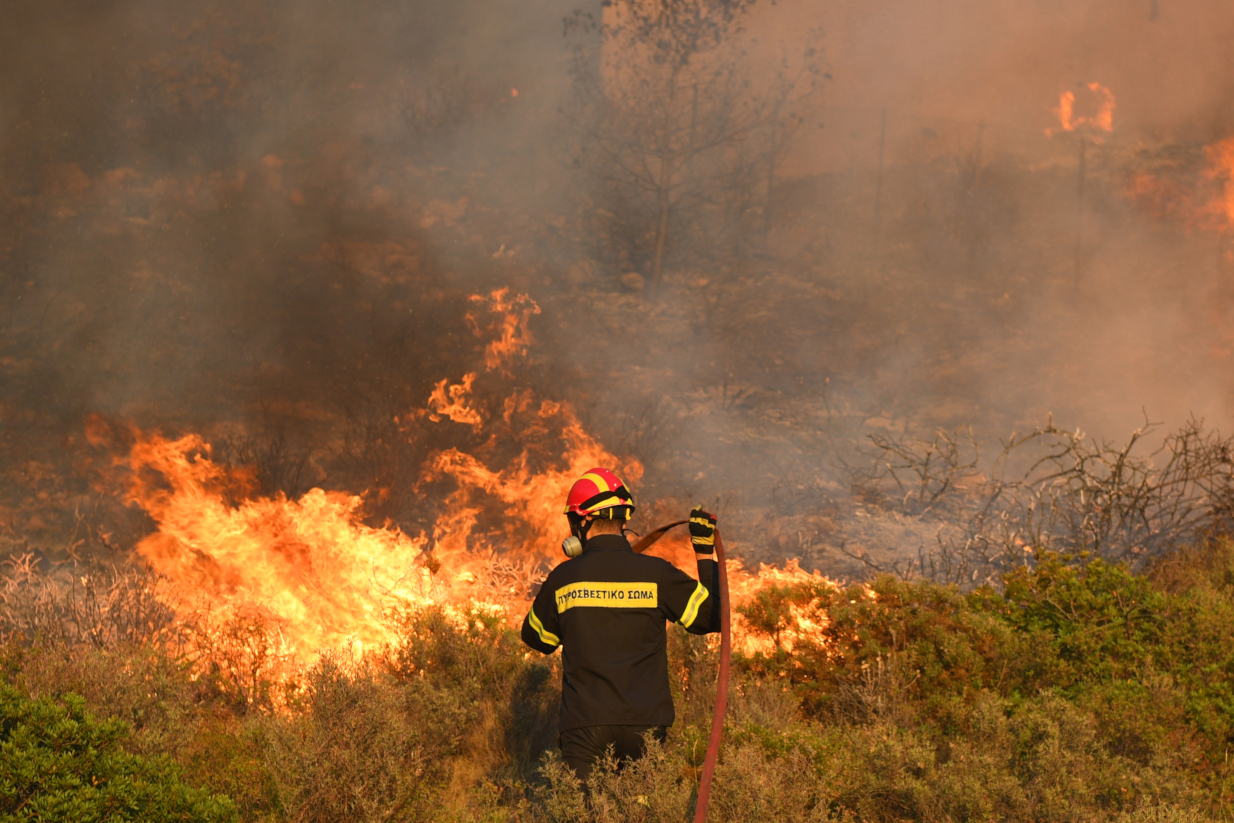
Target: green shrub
1089	688
58	764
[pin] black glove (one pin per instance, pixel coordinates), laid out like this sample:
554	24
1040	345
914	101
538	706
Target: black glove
703	531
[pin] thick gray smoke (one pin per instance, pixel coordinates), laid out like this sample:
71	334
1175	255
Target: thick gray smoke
264	220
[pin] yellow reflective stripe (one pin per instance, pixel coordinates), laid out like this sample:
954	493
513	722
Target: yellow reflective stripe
691	613
545	635
603	503
608	595
601	483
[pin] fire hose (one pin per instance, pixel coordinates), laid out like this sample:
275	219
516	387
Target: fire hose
726	653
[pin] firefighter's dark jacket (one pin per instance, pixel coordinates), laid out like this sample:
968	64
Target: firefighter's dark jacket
607	610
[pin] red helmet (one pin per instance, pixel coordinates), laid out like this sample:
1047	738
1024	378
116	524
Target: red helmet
599	490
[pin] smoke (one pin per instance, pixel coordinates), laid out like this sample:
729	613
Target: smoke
267	217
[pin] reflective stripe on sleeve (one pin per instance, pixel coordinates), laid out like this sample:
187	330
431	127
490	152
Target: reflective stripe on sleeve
545	635
691	613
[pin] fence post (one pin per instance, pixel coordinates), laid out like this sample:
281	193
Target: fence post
878	189
1079	209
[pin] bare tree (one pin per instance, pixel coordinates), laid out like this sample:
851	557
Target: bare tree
672	127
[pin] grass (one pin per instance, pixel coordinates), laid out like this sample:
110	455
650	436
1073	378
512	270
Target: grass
1079	691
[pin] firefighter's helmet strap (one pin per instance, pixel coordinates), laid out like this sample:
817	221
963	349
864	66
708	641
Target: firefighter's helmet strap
579	526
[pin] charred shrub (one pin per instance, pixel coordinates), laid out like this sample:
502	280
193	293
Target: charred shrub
94	605
1050	490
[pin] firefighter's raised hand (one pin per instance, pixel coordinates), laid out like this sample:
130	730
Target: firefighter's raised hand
702	531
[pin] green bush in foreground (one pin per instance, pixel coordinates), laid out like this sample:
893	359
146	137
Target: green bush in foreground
58	764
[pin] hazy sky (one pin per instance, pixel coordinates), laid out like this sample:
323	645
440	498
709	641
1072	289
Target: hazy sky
1004	62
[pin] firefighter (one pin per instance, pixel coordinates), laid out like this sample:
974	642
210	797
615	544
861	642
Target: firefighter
606	607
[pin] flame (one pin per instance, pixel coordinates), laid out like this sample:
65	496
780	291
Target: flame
327	580
1101	120
312	569
534	498
308	564
1221	169
455	405
1198	200
515	334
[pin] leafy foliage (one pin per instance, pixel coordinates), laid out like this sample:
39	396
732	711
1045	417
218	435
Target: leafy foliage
58	763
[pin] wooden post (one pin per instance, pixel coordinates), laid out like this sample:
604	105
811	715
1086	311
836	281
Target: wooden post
597	9
878	188
978	154
1079	210
970	198
773	149
771	171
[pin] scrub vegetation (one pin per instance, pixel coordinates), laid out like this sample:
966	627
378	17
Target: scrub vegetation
736	262
1077	691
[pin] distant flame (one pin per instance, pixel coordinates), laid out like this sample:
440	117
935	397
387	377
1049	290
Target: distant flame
1221	169
1101	120
1199	201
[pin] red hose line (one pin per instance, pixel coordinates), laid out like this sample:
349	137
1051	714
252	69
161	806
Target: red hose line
726	653
717	716
645	543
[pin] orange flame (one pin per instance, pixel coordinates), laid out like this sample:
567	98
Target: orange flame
455	405
805	622
308	563
1201	201
314	570
326	579
1101	120
515	335
1221	168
